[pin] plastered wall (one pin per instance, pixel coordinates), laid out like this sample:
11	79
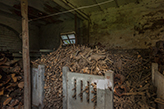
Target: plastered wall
50	34
129	26
10	36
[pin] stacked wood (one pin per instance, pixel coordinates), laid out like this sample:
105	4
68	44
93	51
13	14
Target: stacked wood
133	67
11	77
133	79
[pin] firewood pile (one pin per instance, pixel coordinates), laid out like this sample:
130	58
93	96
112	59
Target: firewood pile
158	55
11	83
133	88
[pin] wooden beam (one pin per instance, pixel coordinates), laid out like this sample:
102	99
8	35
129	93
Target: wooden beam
89	24
98	6
76	30
67	6
26	58
116	3
137	1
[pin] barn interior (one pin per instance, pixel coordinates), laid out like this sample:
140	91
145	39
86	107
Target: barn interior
44	42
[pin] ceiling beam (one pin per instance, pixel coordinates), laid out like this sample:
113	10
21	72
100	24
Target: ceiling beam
6	8
98	5
74	7
68	6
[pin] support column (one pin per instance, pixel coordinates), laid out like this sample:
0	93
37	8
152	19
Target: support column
25	53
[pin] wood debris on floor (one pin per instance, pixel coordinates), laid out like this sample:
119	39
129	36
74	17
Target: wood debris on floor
11	76
133	87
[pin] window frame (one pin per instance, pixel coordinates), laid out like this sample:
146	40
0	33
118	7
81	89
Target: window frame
67	34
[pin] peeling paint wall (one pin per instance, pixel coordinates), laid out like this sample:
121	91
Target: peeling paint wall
130	26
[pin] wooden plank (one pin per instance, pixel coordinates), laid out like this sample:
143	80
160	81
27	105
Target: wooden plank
109	75
11	62
76	29
73	32
88	32
65	70
40	85
34	87
26	58
154	69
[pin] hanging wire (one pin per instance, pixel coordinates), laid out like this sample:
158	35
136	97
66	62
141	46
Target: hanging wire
71	10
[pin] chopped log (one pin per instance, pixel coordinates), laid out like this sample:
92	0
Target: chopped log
7	101
11	62
134	93
2	91
13	77
14	102
159	100
5	82
11	74
21	85
3	60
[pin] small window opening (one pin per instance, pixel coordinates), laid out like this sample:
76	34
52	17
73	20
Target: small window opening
68	38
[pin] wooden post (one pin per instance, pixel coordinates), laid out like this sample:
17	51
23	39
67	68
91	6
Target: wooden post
116	3
88	32
26	58
76	33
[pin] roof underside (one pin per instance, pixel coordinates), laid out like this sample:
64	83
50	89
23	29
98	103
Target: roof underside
112	3
39	8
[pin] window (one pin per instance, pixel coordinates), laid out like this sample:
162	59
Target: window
68	38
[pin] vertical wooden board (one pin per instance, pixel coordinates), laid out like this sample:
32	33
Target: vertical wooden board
64	77
109	75
158	81
76	33
34	87
116	3
40	85
154	69
100	99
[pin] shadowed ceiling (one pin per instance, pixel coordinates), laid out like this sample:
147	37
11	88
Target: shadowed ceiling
39	8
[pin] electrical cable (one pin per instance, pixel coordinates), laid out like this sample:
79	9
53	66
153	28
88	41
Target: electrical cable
71	10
